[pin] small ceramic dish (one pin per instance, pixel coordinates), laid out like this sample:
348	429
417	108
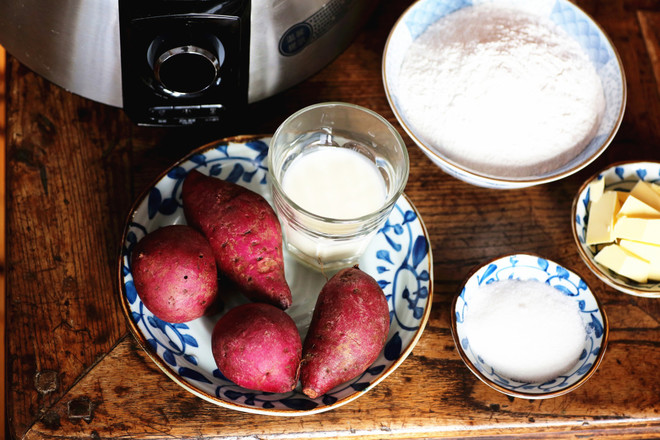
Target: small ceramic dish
533	267
423	13
621	177
399	258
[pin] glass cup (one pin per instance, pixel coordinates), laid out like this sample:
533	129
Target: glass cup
329	242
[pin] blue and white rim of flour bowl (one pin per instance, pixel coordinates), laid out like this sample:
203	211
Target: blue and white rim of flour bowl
591	37
620	176
534	267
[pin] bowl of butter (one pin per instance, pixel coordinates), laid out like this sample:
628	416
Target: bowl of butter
616	226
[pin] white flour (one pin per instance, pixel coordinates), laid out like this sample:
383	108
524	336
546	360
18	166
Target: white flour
500	91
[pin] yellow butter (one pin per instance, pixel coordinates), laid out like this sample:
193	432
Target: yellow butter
601	218
645	192
655	187
633	207
596	189
646	251
623	262
623	196
638	229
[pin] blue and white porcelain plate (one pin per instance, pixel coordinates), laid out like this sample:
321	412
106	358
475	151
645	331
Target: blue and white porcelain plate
399	258
533	267
620	177
589	35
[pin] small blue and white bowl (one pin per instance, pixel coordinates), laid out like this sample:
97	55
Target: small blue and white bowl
533	267
620	176
596	44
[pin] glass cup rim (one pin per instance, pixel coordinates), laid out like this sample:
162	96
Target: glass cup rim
391	200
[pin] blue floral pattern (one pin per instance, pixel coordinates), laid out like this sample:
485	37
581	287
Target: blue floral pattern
399	258
619	177
532	267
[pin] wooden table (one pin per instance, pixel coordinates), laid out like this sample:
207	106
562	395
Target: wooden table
74	167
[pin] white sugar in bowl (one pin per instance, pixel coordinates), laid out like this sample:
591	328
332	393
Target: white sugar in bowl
528	327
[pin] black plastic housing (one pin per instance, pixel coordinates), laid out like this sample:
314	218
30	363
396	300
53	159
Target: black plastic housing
184	62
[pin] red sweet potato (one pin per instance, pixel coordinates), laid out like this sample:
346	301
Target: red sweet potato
257	346
174	273
245	235
348	330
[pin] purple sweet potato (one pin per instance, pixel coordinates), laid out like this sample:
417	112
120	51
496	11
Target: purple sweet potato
174	273
348	330
257	346
244	233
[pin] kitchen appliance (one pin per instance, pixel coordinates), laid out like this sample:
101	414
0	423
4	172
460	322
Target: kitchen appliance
178	62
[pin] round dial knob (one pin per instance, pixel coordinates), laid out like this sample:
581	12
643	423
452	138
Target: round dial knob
186	69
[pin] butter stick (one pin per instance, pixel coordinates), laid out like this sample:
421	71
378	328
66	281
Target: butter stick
648	252
645	192
602	213
623	262
638	229
633	207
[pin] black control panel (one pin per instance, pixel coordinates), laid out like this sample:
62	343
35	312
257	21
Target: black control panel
184	62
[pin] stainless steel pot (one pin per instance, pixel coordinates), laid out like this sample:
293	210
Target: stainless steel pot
119	51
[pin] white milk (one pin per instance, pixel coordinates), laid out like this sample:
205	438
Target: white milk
336	183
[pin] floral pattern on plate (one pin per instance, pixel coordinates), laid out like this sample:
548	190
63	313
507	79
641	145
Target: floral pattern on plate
399	258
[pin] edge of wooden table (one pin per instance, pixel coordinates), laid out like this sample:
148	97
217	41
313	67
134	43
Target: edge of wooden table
3	409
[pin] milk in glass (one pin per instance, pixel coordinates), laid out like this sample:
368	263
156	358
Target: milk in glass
337	183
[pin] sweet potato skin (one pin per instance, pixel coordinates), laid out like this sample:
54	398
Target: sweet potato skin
244	233
257	346
348	330
175	273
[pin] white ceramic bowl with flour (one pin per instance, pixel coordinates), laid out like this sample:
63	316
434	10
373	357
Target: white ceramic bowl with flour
504	93
529	327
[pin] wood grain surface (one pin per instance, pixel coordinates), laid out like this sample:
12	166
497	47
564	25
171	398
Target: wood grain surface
3	326
74	167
